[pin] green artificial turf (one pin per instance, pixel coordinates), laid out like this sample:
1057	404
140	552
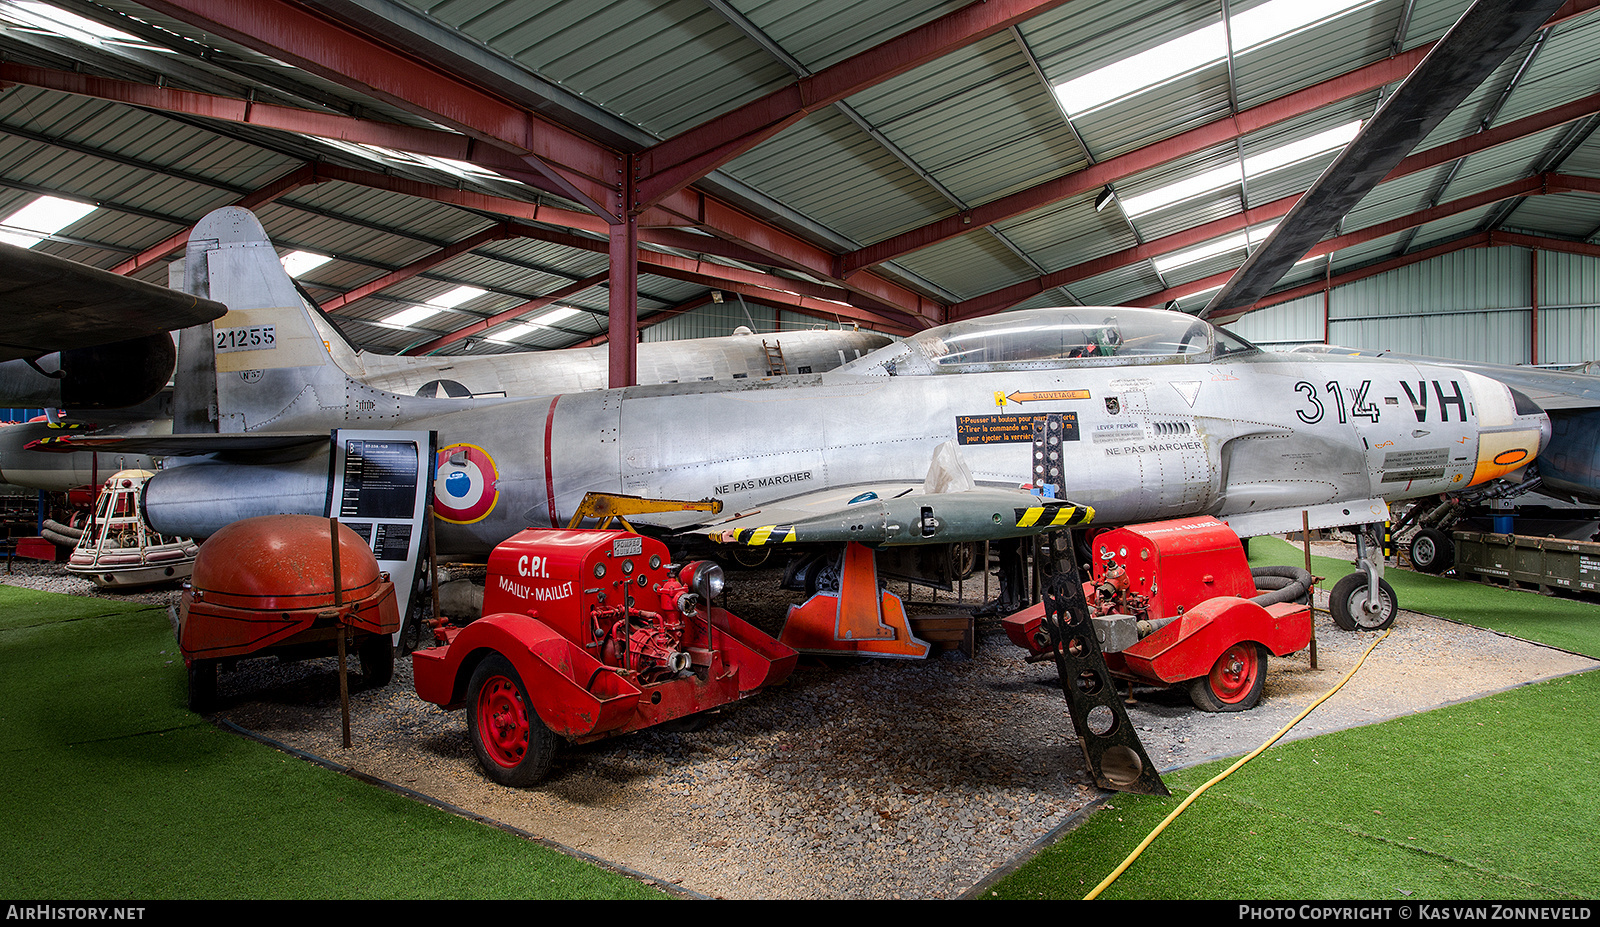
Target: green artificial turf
1571	624
1457	803
114	790
1491	799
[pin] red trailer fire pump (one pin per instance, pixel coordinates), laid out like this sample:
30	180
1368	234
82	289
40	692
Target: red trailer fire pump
585	634
1177	602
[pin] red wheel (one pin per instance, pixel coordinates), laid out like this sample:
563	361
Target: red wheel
513	745
1234	683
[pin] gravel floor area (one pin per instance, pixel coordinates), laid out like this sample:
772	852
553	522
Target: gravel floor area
855	779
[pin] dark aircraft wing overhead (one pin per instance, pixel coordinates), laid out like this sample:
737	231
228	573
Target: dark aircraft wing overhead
1479	42
52	304
284	445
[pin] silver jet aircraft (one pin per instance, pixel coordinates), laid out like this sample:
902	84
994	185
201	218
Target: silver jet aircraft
995	428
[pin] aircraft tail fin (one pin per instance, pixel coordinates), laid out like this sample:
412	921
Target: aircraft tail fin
268	363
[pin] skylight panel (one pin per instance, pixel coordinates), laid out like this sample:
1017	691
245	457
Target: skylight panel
40	219
299	263
49	19
1214	179
453	298
1283	155
446	300
1213	248
1200	48
1282	18
413	315
390	156
511	334
559	314
1144	70
1255	165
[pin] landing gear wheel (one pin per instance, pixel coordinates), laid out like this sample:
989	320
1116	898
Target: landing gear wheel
513	745
1348	603
377	660
964	559
202	686
1432	551
1235	680
751	558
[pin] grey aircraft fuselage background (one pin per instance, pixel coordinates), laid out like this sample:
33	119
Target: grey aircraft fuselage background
1252	437
519	374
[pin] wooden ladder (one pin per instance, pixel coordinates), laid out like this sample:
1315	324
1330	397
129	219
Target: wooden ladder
776	365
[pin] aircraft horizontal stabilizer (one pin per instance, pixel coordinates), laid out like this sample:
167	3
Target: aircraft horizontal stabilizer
878	517
53	304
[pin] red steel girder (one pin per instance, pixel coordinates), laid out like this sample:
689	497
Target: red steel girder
788	302
656	225
1009	296
586	171
1536	185
1479	240
1006	297
482	325
674	163
647	322
498	232
623	318
1541	243
723	276
301	177
297	35
1529	186
1299	103
1475	240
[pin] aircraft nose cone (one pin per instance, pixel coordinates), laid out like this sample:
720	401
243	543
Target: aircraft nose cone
1507	446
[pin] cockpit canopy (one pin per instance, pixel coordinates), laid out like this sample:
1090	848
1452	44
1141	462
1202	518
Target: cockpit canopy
1037	339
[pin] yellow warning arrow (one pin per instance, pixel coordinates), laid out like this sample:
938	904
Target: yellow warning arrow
1048	395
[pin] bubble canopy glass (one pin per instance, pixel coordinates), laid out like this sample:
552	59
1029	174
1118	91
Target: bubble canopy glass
1051	338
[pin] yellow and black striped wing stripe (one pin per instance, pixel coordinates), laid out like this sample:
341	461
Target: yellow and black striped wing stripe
760	537
1054	515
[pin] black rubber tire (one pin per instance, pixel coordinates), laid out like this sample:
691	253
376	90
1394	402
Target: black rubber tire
512	745
1235	680
750	558
1348	596
1432	551
377	660
202	686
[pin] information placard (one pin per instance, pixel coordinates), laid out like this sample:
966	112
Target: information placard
381	486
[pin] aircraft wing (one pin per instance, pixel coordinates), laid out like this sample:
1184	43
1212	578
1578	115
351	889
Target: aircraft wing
1487	33
53	304
896	514
255	444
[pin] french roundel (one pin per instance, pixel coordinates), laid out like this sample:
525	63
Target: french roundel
465	488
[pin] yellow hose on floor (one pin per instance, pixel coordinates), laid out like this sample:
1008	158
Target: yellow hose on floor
1228	772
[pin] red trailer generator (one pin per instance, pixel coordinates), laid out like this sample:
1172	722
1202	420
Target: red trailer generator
1177	602
586	634
274	586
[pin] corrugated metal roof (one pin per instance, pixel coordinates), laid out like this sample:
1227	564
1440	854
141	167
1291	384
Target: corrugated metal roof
959	132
